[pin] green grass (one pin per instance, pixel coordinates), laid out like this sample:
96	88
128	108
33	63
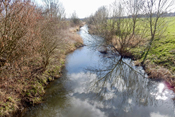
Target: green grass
163	49
162	52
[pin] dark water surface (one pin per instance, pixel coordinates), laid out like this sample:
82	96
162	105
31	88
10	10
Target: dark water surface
97	85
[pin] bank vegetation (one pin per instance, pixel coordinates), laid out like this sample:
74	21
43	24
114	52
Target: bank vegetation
33	44
140	30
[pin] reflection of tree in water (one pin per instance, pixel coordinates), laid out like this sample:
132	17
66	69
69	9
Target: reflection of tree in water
119	82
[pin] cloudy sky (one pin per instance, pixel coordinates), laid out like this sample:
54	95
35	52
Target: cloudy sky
83	8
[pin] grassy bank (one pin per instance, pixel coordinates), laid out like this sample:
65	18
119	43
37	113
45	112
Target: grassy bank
18	93
160	62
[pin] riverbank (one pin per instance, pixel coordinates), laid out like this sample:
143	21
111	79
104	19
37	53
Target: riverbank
17	94
102	85
160	62
157	70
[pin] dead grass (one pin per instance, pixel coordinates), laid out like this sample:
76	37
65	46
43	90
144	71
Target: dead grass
71	36
74	29
158	72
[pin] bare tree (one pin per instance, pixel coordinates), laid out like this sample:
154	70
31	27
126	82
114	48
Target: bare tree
50	30
54	9
100	21
18	20
128	34
117	29
74	19
51	39
134	8
154	12
129	22
25	29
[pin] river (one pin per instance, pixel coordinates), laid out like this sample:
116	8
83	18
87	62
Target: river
103	85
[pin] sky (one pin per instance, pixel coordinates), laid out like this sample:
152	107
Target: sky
83	8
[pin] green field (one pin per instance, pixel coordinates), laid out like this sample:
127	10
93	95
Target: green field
162	52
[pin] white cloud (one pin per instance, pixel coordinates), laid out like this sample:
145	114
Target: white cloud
83	109
157	115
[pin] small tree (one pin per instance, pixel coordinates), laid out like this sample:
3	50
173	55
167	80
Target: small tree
117	29
50	30
154	12
51	39
17	32
54	9
74	19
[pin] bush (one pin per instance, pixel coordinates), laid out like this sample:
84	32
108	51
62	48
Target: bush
29	36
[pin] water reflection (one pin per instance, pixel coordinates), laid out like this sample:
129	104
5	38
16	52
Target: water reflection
98	85
83	109
116	87
117	82
125	87
162	92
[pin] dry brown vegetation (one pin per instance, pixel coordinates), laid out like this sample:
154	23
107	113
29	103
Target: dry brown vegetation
33	44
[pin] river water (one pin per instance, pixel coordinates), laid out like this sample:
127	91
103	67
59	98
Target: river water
103	85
